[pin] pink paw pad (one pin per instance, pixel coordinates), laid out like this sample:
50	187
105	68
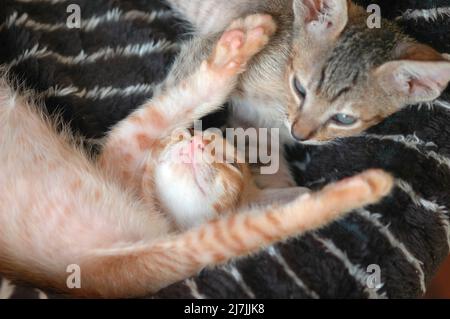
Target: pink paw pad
245	38
234	39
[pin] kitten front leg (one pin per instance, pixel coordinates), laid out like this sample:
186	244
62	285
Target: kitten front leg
148	130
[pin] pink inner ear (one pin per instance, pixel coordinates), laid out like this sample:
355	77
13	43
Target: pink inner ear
314	8
423	80
415	85
416	81
421	84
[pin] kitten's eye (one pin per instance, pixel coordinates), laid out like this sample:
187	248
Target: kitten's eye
344	119
299	88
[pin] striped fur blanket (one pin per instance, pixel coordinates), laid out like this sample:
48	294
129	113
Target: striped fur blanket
97	74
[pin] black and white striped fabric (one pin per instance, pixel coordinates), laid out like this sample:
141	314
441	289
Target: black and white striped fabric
99	73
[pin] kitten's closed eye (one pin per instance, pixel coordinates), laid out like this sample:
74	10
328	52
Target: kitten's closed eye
299	88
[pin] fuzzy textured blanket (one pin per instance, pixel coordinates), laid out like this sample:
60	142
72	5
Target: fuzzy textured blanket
97	74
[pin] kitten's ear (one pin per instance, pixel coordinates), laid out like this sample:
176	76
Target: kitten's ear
321	19
415	81
420	75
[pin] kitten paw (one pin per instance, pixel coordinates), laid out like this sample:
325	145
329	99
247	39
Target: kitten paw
379	182
241	41
366	188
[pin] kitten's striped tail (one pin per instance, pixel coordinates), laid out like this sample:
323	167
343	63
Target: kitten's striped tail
140	270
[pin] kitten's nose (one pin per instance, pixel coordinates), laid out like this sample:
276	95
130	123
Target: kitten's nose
197	143
300	132
297	135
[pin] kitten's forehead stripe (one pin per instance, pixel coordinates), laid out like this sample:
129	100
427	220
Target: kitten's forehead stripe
356	53
340	93
322	78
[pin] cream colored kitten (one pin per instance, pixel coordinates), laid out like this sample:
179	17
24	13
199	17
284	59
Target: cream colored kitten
114	219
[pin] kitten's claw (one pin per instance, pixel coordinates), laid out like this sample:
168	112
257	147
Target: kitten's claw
241	41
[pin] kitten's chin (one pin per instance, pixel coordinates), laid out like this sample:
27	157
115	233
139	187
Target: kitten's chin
181	196
186	161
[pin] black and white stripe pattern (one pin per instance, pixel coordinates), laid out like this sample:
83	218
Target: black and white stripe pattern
98	74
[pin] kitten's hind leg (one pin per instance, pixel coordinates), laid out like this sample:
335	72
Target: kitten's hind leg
138	270
249	231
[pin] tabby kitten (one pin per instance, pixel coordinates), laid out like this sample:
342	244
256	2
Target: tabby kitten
325	74
114	219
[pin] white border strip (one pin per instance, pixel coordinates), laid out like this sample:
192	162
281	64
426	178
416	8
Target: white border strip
384	230
412	142
354	270
442	103
87	25
275	254
42	1
192	285
98	93
426	14
237	276
41	294
428	205
6	289
106	53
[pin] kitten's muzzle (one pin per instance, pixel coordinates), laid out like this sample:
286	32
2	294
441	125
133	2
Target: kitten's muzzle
190	150
303	131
